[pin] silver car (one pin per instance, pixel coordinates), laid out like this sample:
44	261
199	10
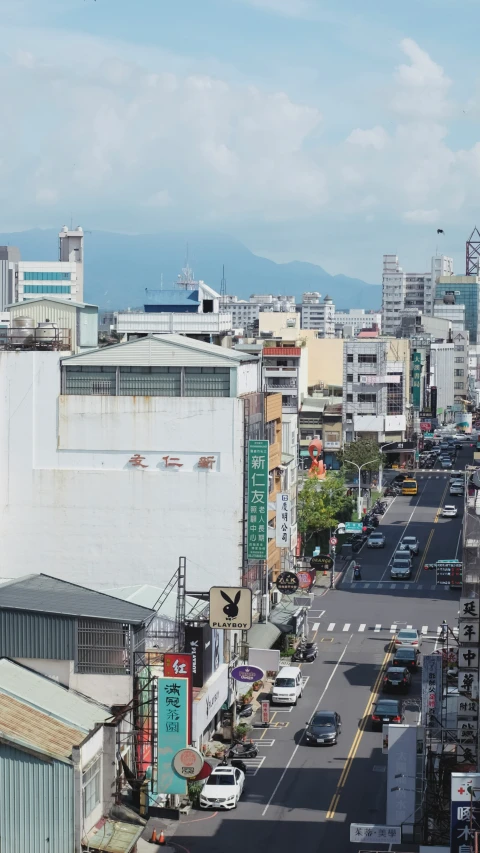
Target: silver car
376	540
401	569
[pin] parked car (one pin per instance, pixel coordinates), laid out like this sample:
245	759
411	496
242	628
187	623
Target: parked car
376	540
386	711
223	788
288	686
449	511
397	678
324	727
410	542
408	637
406	656
399	478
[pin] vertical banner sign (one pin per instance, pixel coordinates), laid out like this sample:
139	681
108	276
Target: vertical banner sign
257	519
416	373
265	712
284	521
465	799
180	666
172	728
467	710
401	770
432	691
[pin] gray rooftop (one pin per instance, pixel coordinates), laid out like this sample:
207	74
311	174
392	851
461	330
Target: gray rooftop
45	594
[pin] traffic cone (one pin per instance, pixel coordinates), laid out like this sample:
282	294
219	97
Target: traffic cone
153	839
161	841
325	573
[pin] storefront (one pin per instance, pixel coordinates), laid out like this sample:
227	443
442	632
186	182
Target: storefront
207	706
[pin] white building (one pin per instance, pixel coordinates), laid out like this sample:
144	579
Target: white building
123	459
63	278
318	315
409	292
245	313
357	319
442	372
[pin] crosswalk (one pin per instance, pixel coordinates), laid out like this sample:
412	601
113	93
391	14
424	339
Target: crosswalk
410	585
362	628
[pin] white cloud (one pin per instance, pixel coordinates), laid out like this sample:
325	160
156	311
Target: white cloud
159	199
287	8
422	86
375	138
422	216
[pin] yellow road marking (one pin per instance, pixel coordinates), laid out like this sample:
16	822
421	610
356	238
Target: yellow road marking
356	741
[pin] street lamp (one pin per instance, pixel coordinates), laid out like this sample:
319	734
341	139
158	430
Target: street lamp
359	467
380	467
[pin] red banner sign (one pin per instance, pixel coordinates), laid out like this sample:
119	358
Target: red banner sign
179	665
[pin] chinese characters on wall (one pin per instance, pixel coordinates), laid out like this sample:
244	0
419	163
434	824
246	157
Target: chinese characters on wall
257	519
175	462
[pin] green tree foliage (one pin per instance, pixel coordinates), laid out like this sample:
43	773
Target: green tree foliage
322	504
361	451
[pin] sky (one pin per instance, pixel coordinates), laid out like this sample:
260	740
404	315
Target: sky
314	130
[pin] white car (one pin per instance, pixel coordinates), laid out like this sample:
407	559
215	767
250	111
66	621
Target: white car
449	511
223	788
408	637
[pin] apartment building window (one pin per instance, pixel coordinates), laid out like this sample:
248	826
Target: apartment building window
458	385
459	348
349	418
350	357
349	377
349	398
46	288
46	276
91	778
367	398
369	358
458	372
270	432
459	359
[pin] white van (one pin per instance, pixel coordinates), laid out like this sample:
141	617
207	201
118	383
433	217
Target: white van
288	686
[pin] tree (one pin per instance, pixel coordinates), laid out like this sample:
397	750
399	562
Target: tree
321	504
361	451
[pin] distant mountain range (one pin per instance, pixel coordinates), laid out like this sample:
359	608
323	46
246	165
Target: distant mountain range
119	267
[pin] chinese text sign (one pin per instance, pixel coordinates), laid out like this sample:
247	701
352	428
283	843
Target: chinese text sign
257	518
172	732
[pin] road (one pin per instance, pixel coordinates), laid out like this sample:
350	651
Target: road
304	798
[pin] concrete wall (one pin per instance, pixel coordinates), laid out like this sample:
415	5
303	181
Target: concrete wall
325	359
276	322
107	689
71	503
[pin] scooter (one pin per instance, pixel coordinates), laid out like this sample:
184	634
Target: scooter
245	710
305	652
243	750
357	574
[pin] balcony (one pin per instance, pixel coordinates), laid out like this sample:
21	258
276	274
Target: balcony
279	372
281	386
131	322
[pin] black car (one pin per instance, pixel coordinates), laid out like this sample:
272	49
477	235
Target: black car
406	656
399	478
397	678
324	728
386	711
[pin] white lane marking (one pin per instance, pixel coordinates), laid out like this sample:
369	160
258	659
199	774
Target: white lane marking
419	585
304	680
393	628
253	765
316	626
424	629
346	627
366	585
379	586
377	629
331	626
362	626
392	586
404	530
458	542
406	586
265	742
409	627
285	771
439	631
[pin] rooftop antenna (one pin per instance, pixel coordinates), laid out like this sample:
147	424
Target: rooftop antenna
473	253
223	284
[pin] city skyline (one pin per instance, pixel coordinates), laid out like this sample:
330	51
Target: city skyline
306	132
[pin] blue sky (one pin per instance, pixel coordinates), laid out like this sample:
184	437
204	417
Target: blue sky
308	129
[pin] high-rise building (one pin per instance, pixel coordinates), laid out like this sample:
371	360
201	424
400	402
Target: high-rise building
318	315
409	293
463	290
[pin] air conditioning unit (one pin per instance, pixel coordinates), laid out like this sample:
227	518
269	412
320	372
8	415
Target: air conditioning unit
275	597
308	437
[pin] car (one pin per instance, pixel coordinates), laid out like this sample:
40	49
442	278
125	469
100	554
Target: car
288	686
430	462
399	478
397	678
376	540
324	727
445	462
456	489
406	656
410	542
404	556
401	570
408	637
449	511
386	711
223	788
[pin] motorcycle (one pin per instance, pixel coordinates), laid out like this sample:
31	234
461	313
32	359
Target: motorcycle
305	653
245	710
357	574
241	750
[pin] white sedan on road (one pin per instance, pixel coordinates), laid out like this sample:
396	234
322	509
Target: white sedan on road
408	637
223	788
449	511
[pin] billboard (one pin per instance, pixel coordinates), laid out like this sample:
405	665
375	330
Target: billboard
464	799
179	665
432	690
172	732
416	376
283	520
257	508
198	643
401	768
230	608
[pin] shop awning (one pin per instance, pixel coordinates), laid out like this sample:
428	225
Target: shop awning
262	635
113	836
283	616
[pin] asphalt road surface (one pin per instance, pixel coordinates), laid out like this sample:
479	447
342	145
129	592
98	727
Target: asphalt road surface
303	798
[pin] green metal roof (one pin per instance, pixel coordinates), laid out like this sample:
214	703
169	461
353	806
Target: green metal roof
113	836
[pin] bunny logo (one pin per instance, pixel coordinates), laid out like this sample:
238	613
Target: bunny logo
231	609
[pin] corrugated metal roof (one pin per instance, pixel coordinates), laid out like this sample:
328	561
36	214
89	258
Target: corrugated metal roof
147	596
48	696
153	350
71	302
113	836
52	595
25	726
174	297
